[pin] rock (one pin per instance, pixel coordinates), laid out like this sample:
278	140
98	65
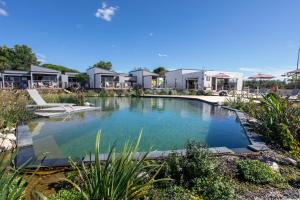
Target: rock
6	129
87	103
290	161
274	166
12	129
258	147
6	144
9	136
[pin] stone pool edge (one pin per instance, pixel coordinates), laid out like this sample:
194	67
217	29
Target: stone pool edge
25	142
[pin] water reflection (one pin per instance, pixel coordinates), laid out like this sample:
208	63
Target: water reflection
166	123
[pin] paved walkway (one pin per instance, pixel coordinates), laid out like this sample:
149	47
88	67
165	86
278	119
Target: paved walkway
210	99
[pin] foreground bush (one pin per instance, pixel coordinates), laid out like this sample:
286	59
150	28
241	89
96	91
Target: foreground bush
214	188
173	192
258	172
199	172
12	183
13	108
66	195
122	176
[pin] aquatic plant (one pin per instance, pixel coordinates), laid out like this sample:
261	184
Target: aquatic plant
126	175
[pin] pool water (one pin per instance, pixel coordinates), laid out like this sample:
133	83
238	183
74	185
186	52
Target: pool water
165	123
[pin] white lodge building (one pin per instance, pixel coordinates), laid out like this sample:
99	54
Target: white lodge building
203	80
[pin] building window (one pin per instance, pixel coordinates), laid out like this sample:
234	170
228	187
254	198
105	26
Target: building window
207	78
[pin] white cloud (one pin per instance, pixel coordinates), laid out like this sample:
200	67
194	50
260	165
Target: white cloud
41	58
3	12
162	55
106	13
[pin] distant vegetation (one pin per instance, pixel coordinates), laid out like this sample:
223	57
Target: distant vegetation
107	65
20	57
160	70
60	68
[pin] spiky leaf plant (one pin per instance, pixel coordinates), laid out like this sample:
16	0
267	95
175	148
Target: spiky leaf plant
12	183
125	175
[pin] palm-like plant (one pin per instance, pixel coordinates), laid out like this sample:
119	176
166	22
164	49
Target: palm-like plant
125	175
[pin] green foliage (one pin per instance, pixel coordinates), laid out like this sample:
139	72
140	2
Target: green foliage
173	192
199	171
13	108
214	188
76	98
123	176
258	172
59	68
20	57
240	102
160	70
66	195
137	93
107	65
12	183
82	78
280	121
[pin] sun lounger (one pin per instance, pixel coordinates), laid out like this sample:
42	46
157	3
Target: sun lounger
40	102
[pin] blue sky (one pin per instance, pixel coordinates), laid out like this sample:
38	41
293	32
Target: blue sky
248	36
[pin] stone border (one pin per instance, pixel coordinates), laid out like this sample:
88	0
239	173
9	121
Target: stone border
256	141
26	151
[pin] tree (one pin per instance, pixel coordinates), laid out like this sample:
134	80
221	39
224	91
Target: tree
6	55
82	78
20	57
103	65
160	70
60	68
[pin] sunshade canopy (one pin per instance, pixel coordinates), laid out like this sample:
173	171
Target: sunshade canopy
262	76
221	75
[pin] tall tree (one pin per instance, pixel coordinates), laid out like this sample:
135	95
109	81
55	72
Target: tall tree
103	65
63	69
6	57
20	57
160	70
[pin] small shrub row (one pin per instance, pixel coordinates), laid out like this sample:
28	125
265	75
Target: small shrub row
258	172
199	172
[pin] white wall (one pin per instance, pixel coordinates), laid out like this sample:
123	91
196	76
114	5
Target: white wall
64	80
90	72
139	77
197	75
147	82
177	75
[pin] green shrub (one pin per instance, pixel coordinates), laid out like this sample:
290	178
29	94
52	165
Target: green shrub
214	188
173	92
192	92
174	193
197	163
12	183
13	108
121	176
66	195
280	121
258	172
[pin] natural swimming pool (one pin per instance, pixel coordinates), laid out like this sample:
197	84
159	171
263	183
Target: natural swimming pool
166	123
